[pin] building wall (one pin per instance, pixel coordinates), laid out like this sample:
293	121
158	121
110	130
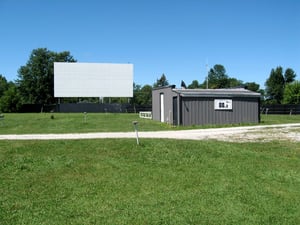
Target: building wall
199	111
168	95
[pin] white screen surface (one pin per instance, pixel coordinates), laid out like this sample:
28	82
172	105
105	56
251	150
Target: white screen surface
93	80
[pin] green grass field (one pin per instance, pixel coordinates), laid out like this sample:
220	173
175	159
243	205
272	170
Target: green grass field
115	181
73	123
28	123
159	182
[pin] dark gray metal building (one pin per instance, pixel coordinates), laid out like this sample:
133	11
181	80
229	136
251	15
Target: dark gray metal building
205	106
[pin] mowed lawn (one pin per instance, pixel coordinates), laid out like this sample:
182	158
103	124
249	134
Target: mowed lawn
43	123
115	181
28	123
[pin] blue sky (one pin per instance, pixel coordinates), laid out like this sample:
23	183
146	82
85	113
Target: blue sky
174	37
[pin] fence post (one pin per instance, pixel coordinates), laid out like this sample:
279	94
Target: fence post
267	109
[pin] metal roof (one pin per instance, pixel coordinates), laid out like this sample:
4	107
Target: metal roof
228	92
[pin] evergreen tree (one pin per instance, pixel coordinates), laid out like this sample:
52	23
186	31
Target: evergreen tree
277	82
162	81
217	77
289	75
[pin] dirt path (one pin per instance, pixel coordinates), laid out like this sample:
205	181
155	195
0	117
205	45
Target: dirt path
290	132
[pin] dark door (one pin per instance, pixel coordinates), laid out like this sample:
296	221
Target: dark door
175	111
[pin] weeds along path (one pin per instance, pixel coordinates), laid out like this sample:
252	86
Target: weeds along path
289	132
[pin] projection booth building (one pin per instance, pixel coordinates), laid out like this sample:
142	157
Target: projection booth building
205	106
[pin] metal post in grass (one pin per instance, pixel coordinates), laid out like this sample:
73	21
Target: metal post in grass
135	124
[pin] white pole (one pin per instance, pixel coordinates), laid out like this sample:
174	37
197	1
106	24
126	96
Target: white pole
135	123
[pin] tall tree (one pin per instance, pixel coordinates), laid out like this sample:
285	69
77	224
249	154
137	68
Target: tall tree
36	78
217	77
289	75
277	82
3	85
275	85
162	81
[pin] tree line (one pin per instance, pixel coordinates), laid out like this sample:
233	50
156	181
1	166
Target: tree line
35	84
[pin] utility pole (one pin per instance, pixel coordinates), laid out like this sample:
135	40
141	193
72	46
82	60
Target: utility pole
206	65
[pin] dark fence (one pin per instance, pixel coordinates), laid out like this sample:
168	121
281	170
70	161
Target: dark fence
90	107
85	107
281	109
32	108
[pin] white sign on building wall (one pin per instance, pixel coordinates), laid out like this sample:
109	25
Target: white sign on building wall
223	104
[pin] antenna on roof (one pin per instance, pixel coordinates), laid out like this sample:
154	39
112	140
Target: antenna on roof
206	65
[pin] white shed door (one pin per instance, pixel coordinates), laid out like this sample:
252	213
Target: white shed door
162	107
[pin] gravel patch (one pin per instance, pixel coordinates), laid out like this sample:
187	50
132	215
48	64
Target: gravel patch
264	133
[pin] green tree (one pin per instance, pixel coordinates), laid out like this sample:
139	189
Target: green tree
142	95
217	77
162	81
146	95
289	75
233	82
252	86
10	101
277	82
275	85
9	96
292	93
136	90
4	85
36	78
195	84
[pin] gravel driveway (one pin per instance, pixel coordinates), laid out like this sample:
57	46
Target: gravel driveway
290	132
